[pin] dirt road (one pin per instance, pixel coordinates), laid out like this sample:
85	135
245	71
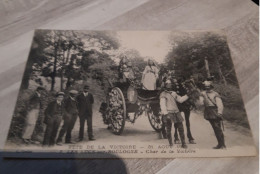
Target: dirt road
141	134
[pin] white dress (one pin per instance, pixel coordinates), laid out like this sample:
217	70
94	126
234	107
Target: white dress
149	77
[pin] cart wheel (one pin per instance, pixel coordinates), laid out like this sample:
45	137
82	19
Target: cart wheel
117	111
155	120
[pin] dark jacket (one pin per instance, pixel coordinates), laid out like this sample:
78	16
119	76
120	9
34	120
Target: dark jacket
71	106
85	104
54	110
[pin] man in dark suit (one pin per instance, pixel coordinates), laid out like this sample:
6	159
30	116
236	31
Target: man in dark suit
53	117
70	117
85	101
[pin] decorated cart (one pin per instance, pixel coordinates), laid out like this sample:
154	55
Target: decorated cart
127	101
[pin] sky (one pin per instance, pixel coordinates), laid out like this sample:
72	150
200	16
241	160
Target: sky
153	44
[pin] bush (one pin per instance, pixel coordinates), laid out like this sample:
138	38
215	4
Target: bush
234	110
236	116
230	95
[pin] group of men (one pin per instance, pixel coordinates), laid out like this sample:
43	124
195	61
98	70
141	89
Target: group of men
65	109
171	114
68	109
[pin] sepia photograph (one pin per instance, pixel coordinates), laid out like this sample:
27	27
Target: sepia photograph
134	94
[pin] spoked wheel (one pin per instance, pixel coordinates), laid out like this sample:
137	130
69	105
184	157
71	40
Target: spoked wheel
155	120
116	111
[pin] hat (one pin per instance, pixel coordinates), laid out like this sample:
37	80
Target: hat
208	84
60	93
73	92
168	84
86	87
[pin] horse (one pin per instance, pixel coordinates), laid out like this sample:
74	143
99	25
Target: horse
182	88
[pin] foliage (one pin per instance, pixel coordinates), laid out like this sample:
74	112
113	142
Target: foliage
59	53
190	51
71	56
189	55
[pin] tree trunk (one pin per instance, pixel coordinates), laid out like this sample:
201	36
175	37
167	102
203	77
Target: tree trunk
70	68
62	72
207	66
68	54
55	65
221	74
68	84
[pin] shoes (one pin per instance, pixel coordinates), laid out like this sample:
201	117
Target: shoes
220	147
192	142
184	146
92	139
27	141
80	139
35	142
70	142
59	143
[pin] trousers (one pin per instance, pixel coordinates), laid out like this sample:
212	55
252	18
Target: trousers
187	121
67	127
82	120
51	131
30	123
167	123
216	125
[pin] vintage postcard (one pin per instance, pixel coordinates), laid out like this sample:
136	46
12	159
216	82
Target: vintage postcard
132	94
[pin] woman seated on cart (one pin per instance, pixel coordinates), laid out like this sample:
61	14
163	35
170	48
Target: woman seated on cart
150	76
126	72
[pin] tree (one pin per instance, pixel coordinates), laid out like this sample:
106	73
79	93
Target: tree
189	52
59	53
36	57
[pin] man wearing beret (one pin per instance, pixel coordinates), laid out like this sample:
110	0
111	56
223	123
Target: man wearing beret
53	117
70	117
85	101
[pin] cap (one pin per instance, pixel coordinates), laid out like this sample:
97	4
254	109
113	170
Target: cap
74	92
208	84
60	93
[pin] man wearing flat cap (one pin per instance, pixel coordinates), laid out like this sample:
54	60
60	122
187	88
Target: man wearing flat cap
213	112
85	101
69	117
53	116
33	109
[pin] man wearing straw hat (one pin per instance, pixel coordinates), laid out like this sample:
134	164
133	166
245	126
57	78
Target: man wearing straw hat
213	112
70	117
33	109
